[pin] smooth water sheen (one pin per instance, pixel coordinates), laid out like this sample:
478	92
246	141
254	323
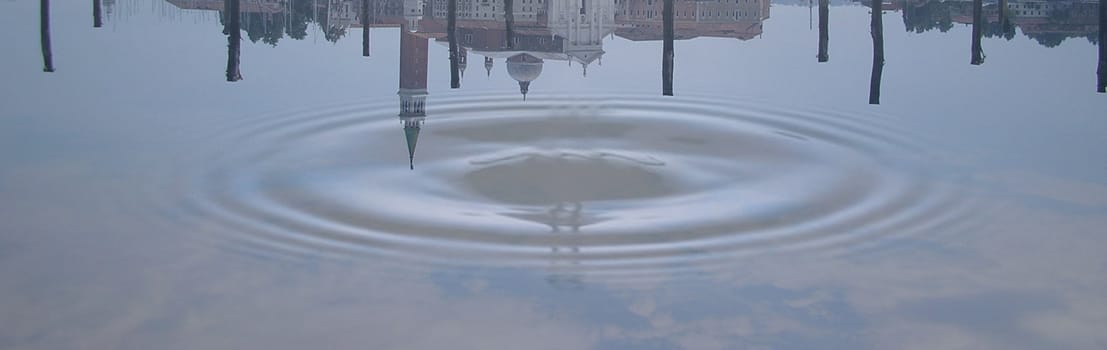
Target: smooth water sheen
324	180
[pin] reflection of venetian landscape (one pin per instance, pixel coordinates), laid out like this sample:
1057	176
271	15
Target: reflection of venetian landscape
573	31
545	30
569	31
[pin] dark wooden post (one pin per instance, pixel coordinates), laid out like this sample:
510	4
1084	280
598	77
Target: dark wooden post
233	28
509	22
1102	70
44	21
877	27
667	49
977	32
365	28
451	33
824	30
97	14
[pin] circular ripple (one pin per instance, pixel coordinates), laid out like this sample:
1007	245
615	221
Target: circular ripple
614	182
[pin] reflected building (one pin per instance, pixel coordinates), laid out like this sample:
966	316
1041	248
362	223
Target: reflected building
525	11
545	31
569	31
640	20
524	68
582	26
413	88
253	6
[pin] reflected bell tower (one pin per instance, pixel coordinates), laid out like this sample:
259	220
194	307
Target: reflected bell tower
413	88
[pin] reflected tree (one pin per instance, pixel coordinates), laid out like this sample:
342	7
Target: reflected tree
233	28
667	49
877	27
97	14
322	17
265	27
1050	40
824	30
998	30
977	32
928	16
299	17
44	28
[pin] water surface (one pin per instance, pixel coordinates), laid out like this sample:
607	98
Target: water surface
326	177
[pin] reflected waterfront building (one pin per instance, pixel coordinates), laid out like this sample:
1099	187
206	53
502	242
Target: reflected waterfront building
524	68
462	61
641	20
544	30
413	88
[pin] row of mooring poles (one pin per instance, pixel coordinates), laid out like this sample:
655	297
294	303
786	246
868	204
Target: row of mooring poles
667	49
44	30
877	27
232	26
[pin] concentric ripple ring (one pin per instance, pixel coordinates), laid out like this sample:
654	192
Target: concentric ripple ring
612	182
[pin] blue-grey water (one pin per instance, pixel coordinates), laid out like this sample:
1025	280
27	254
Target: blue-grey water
952	198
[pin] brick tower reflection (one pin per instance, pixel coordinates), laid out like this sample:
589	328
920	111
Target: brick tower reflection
413	88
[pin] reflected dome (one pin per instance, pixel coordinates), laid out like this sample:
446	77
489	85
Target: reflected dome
524	69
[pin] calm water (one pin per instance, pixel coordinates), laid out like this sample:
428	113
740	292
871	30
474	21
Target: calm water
318	185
